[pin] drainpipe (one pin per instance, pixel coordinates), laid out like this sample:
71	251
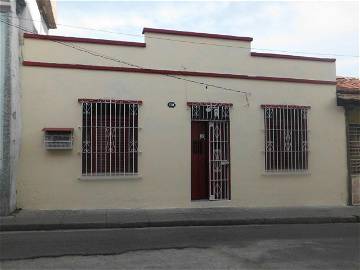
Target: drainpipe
2	90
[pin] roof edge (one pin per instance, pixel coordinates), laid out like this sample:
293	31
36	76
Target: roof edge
195	34
85	40
47	10
293	57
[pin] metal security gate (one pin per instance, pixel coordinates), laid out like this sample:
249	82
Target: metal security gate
219	160
216	117
354	148
354	161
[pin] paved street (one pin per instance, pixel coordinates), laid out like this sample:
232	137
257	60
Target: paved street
321	246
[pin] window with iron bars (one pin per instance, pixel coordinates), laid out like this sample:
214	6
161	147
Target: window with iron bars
286	138
109	137
354	148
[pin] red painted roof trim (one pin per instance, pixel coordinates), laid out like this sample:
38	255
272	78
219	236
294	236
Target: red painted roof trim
194	34
284	106
175	72
117	101
295	57
85	40
59	129
209	103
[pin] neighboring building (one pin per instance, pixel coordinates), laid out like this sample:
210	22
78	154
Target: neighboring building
348	96
32	16
99	133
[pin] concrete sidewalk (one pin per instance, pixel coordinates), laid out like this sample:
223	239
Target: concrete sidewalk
138	218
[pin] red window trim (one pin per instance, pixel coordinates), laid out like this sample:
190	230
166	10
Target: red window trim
284	106
209	103
59	129
116	101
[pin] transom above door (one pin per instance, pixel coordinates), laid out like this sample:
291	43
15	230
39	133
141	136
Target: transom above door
210	111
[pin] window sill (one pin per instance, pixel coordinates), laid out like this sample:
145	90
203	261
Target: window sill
109	177
285	173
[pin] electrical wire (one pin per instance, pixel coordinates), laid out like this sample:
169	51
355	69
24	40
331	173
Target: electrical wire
192	42
94	53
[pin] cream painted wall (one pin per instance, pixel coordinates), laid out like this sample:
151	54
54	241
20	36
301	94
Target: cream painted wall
49	179
164	54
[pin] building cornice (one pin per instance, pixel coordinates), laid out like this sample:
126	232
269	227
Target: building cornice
47	10
292	57
143	45
195	34
84	40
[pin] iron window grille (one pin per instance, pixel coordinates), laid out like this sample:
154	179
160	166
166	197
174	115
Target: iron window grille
286	138
354	148
58	138
109	137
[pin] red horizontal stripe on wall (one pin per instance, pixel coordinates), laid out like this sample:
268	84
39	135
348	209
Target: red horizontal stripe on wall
297	57
175	72
284	106
85	40
117	101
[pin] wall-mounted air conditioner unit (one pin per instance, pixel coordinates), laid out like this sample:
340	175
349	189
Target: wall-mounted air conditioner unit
58	138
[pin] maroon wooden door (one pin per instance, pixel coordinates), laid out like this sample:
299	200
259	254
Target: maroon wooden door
199	160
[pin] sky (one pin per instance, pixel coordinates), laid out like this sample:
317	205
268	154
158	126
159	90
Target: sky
312	28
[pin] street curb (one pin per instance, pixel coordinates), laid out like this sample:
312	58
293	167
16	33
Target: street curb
179	223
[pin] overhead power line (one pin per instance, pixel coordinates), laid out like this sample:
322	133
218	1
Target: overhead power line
94	53
194	42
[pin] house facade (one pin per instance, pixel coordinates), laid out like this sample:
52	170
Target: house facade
184	119
16	17
348	96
